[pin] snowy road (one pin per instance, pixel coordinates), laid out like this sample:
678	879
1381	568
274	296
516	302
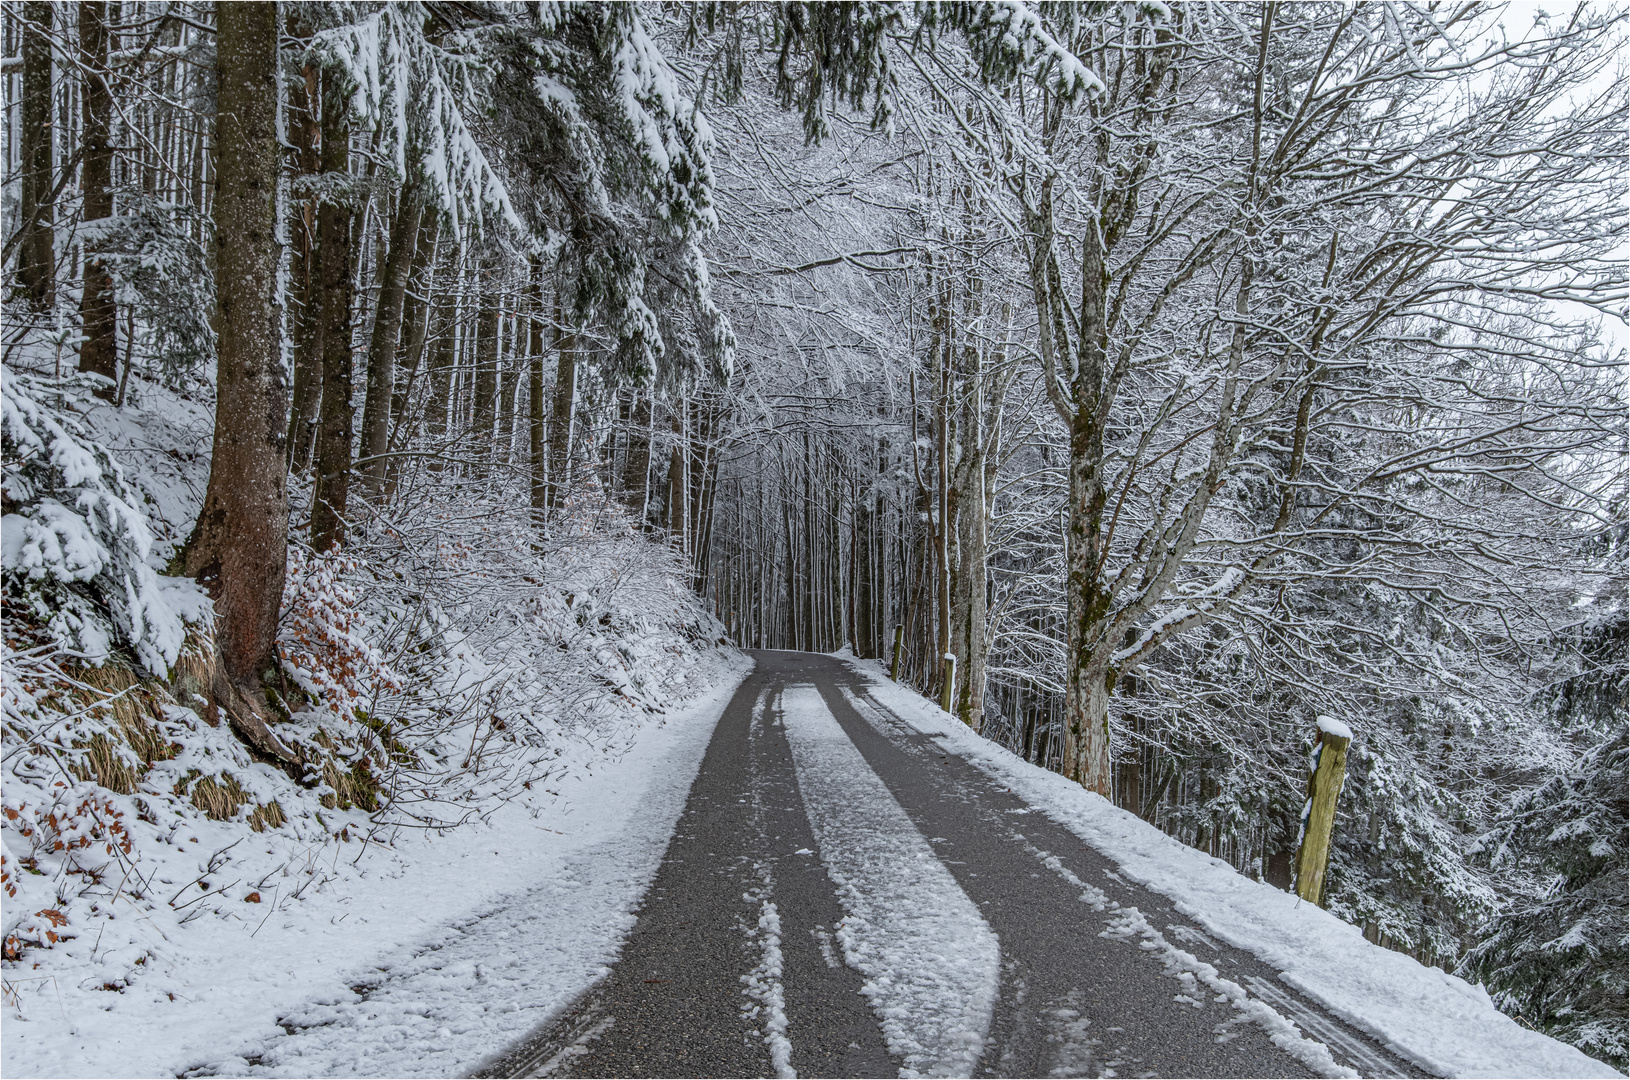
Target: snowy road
844	898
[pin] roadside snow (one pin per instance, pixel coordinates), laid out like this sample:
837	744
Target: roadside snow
419	960
1447	1026
930	961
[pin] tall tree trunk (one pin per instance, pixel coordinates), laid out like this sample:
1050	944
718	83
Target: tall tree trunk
416	332
238	548
382	344
1086	689
443	366
305	277
968	593
676	483
947	509
98	352
637	458
509	385
973	509
36	262
485	410
334	238
562	412
537	431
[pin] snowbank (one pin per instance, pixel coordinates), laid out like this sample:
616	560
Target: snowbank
1447	1026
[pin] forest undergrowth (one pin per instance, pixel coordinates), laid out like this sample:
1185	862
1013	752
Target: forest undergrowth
441	665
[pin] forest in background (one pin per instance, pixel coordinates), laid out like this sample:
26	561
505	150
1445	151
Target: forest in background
1159	377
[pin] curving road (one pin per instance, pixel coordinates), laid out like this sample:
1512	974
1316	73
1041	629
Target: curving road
844	898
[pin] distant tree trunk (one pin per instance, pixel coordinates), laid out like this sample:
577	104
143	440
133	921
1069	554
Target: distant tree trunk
444	359
98	353
415	321
238	548
393	282
637	458
509	385
416	331
537	440
305	278
560	414
36	263
485	411
943	492
334	228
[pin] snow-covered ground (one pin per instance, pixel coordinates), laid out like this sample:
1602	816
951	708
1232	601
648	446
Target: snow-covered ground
1443	1023
417	960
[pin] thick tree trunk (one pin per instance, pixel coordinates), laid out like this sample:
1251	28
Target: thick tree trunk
1086	694
239	545
98	352
334	236
36	260
305	278
382	344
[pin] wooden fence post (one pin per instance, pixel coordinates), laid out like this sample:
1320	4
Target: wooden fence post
899	643
1319	815
950	683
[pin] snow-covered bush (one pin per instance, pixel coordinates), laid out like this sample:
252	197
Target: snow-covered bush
74	542
158	255
1559	960
320	640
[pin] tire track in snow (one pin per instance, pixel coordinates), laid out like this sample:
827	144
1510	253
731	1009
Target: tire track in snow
931	963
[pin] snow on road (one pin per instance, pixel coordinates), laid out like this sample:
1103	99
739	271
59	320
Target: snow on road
763	985
904	907
1444	1024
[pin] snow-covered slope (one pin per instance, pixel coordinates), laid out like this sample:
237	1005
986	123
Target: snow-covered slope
416	960
170	901
1448	1026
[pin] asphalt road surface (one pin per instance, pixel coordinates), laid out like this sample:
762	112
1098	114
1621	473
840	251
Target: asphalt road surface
938	905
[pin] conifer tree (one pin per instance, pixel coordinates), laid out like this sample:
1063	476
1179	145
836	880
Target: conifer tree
238	548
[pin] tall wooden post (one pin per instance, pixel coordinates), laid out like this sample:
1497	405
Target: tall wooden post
899	644
1319	816
948	691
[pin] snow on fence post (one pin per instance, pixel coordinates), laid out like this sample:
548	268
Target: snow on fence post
949	689
1319	815
899	643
